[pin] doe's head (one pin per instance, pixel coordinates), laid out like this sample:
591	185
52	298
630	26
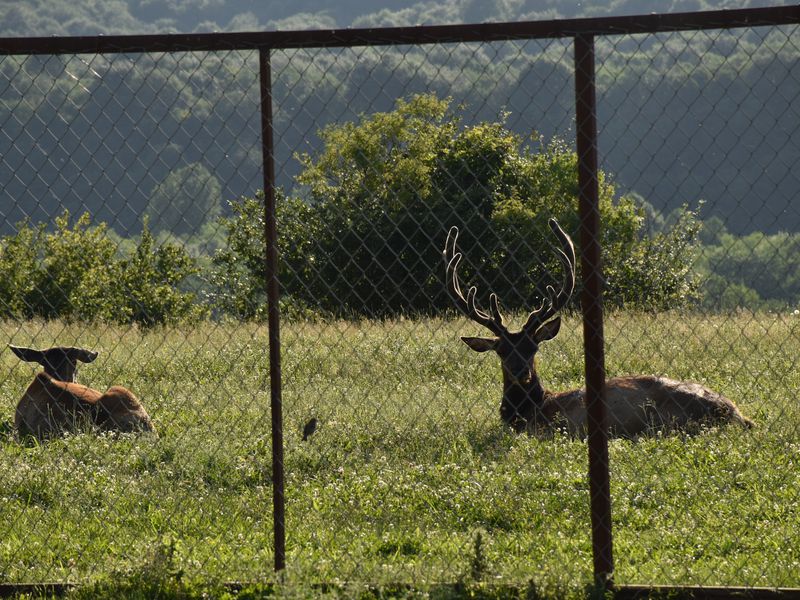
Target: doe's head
60	362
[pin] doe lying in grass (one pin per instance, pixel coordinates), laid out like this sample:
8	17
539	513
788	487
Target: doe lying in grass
54	403
636	405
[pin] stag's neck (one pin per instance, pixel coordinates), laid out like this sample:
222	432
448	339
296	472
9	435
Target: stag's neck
522	403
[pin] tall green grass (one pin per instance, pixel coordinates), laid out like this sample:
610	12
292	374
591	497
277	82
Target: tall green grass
410	476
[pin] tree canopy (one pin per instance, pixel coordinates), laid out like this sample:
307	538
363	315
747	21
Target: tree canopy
367	236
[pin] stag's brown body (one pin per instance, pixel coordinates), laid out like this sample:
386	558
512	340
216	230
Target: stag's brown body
635	405
51	406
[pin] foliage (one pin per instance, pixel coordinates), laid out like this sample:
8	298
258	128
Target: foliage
184	200
238	278
75	273
152	278
752	271
238	274
381	196
659	272
378	208
19	266
152	112
61	17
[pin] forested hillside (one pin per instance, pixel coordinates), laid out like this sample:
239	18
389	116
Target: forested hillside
92	17
684	118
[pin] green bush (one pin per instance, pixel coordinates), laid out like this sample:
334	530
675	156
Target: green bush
75	273
151	282
19	267
657	272
754	271
238	274
367	236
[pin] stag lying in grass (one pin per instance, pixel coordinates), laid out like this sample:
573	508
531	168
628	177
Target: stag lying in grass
54	403
636	405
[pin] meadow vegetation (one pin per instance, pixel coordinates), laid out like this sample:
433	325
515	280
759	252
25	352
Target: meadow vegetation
410	478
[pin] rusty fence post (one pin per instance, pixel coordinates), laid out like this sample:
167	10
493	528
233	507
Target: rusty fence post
273	316
592	307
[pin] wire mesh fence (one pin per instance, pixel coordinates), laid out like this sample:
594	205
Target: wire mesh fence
133	225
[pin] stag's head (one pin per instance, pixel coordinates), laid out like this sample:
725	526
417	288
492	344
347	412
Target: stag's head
516	349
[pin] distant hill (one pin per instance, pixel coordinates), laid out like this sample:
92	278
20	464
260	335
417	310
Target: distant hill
68	17
713	116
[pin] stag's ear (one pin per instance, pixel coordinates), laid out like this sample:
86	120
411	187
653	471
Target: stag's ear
28	354
480	344
547	331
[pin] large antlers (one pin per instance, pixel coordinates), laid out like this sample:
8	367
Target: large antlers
554	302
467	305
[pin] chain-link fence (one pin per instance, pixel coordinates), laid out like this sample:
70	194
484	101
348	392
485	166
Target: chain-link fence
364	442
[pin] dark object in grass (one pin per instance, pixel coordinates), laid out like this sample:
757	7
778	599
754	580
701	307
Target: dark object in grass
54	403
310	428
636	405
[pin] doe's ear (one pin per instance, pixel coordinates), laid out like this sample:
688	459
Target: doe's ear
82	355
480	344
547	331
27	354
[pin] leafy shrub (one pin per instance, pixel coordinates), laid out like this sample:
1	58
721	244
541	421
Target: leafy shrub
754	271
75	272
379	199
19	265
151	281
238	279
77	267
658	271
238	275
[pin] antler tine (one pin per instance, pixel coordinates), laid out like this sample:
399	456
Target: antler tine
494	306
452	258
556	301
567	256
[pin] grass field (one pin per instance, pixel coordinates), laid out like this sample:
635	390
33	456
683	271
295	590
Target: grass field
410	477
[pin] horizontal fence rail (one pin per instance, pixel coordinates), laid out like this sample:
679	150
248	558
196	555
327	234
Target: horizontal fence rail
437	34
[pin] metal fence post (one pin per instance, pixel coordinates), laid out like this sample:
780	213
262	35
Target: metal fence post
271	274
592	305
